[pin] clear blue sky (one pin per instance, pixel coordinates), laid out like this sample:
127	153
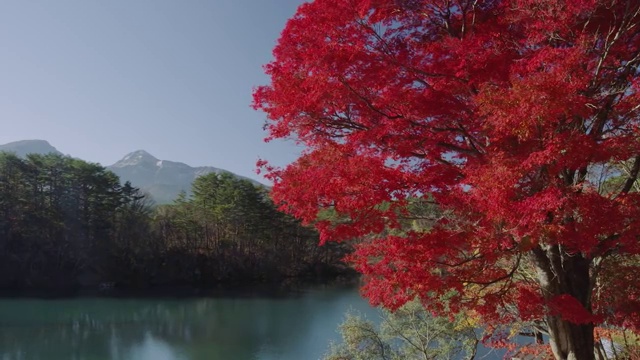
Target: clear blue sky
99	79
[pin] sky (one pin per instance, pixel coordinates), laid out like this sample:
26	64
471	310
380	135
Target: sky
100	79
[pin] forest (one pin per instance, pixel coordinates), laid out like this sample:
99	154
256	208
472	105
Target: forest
66	224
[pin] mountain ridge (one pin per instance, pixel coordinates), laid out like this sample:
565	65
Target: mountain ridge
164	180
24	147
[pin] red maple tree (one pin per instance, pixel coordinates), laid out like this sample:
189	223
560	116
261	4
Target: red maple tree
508	114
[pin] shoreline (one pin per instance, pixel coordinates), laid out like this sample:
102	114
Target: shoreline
284	287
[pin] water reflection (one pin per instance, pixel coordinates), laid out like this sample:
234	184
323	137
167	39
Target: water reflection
256	328
150	349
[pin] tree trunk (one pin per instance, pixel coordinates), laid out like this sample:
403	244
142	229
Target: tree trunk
570	341
561	273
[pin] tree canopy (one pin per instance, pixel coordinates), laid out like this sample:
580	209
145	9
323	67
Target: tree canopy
508	114
410	333
66	224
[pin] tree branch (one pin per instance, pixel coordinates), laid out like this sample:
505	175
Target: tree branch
633	176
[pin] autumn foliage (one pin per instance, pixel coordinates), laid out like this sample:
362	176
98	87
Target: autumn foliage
510	115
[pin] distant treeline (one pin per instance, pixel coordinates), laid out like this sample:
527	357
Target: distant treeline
69	224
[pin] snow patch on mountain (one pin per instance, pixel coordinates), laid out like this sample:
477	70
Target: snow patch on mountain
136	158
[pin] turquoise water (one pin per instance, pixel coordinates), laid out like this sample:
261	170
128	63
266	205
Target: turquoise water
295	326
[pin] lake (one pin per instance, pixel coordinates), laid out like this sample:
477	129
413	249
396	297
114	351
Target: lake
296	325
289	325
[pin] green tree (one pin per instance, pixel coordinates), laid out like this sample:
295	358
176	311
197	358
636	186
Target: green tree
406	334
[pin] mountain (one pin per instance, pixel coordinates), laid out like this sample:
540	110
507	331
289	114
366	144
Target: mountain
162	179
24	147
